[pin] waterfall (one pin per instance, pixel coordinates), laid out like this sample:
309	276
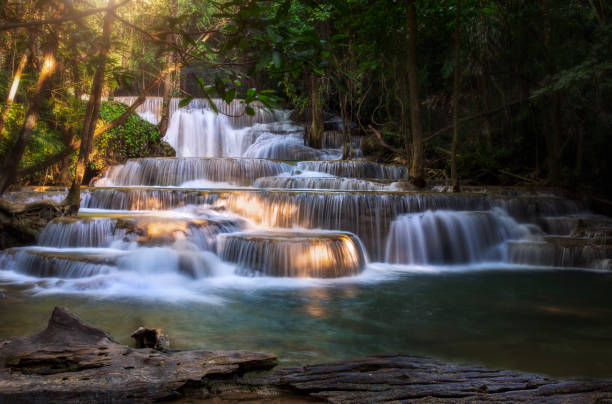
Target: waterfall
204	133
246	197
450	237
178	171
199	131
295	254
144	199
56	263
559	251
73	232
286	147
356	169
367	214
324	183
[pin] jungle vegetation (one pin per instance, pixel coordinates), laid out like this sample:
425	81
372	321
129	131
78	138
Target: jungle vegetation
461	91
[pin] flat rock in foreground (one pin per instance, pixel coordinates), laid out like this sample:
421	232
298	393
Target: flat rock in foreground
399	378
73	361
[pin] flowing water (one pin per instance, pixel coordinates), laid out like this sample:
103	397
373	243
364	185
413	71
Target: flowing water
250	239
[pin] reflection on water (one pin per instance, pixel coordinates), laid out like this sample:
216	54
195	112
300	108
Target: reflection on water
552	322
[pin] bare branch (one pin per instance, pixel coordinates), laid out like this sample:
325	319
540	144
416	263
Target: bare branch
385	144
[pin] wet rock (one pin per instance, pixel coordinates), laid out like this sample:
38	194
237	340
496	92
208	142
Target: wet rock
561	251
402	378
151	338
21	223
2	294
72	361
162	149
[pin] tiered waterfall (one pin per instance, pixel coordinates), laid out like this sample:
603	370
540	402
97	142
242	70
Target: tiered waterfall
245	197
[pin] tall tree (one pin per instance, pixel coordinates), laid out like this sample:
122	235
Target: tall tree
417	170
171	79
92	111
456	85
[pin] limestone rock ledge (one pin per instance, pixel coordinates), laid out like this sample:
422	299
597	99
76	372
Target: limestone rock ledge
21	223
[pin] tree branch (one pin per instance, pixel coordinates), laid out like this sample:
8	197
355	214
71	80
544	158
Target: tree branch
474	116
120	120
385	144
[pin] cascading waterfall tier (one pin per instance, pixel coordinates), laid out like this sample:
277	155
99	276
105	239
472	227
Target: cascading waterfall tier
324	183
199	131
143	199
151	109
80	232
450	237
356	169
137	229
563	251
59	263
367	214
286	147
294	253
179	171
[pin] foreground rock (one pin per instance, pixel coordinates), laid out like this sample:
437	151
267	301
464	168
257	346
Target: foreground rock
21	223
71	361
414	379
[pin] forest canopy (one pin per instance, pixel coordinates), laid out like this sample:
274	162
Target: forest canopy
461	91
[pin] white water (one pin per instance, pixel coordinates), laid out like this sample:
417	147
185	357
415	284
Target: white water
451	237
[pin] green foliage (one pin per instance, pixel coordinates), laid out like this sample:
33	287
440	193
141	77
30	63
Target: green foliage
130	140
45	140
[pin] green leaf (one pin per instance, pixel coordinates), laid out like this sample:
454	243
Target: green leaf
230	95
249	110
185	101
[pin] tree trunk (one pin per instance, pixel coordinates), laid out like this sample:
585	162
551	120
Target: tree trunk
170	80
92	112
456	82
315	136
417	170
13	91
551	114
486	126
12	159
